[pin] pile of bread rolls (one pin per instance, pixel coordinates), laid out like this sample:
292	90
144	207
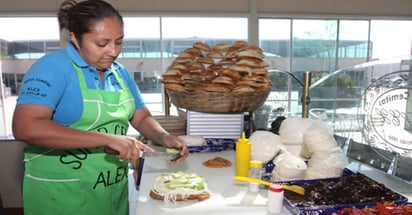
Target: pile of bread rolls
224	68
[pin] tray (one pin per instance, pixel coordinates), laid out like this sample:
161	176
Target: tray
329	209
214	145
324	209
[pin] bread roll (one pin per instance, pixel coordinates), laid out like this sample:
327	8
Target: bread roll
184	60
231	54
221	47
260	71
202	46
193	140
174	87
239	44
255	78
230	73
225	62
213	68
172	80
224	80
205	60
249	83
242	69
263	88
197	65
251	54
238	67
251	62
179	66
207	75
217	88
194	52
243	89
172	72
215	54
185	55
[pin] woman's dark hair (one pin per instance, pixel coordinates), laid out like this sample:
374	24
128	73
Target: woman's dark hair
79	18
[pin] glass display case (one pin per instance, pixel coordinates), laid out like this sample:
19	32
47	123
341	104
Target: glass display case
368	106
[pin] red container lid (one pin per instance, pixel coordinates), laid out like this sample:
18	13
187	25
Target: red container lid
276	188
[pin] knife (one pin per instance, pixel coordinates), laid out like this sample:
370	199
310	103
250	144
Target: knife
171	153
163	154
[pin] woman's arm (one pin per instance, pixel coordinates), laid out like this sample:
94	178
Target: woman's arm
151	129
33	124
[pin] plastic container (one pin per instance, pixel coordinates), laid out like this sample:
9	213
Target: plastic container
242	156
275	199
255	171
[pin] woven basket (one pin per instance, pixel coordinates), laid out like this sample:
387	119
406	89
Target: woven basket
215	102
173	124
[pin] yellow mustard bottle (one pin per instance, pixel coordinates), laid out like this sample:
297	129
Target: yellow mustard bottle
242	156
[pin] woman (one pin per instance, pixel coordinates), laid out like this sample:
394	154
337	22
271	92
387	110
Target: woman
75	103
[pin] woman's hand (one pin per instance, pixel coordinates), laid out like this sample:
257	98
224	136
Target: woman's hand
126	148
178	143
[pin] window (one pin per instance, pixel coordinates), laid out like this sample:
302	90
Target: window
290	45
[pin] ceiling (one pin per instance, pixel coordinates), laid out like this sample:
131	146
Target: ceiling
348	8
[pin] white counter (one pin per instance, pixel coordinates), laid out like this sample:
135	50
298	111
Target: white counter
228	196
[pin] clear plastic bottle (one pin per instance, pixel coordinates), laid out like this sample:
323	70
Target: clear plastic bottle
275	199
242	156
255	171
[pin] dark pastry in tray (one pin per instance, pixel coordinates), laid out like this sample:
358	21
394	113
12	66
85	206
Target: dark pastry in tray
352	189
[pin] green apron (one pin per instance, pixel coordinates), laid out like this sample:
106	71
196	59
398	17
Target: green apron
87	180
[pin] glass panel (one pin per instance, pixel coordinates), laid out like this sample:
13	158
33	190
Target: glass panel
29	28
391	38
142	55
274	39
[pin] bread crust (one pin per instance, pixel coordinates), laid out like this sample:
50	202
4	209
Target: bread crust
178	197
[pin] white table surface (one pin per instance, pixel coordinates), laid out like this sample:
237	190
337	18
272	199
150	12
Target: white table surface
227	196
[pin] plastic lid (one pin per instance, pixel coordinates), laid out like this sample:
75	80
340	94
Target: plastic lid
276	188
255	164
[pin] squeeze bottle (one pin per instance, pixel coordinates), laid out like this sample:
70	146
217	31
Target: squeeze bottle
275	199
242	156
